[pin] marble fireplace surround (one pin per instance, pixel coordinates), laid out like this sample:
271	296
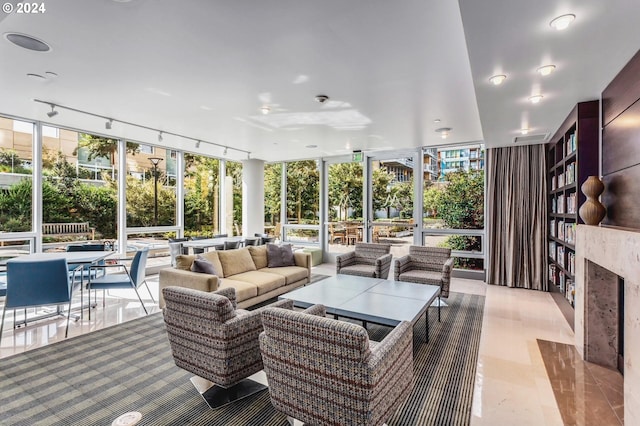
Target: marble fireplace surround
614	252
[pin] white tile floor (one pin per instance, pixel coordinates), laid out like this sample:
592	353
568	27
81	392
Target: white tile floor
511	382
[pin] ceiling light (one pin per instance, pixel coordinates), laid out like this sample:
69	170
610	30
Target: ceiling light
444	132
265	109
225	151
108	124
562	22
535	98
51	74
322	98
498	79
437	120
546	69
248	156
311	146
160	137
27	42
524	131
197	144
53	111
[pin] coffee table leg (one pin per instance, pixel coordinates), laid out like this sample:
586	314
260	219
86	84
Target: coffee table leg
426	320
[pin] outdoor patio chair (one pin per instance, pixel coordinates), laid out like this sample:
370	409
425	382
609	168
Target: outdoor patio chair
214	340
368	260
327	372
425	265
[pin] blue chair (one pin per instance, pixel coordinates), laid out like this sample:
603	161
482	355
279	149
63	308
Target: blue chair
126	279
33	283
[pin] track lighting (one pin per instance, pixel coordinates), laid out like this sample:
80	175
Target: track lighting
108	124
53	111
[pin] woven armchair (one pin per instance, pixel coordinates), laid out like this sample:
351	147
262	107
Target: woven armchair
368	260
425	265
326	372
218	343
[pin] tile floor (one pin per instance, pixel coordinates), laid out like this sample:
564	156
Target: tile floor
512	385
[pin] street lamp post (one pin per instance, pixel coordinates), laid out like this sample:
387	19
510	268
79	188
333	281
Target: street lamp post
155	161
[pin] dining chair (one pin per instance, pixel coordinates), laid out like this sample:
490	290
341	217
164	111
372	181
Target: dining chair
232	245
78	274
252	241
184	250
37	283
132	278
197	250
220	246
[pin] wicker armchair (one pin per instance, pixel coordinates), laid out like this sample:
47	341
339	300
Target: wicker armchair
425	265
368	260
218	343
326	372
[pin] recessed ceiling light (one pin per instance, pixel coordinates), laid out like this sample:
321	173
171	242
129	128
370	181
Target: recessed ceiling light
27	42
437	120
524	131
311	146
562	22
36	77
265	109
546	69
444	132
535	98
498	79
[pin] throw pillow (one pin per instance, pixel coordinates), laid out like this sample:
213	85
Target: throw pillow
259	255
184	262
278	256
236	261
203	266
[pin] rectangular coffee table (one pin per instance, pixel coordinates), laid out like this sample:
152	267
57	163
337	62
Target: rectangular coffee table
369	299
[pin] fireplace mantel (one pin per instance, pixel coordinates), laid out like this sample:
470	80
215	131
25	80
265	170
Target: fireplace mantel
619	252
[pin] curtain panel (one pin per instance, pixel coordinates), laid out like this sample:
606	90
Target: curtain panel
517	225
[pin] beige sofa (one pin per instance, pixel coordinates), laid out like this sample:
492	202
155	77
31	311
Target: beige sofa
244	269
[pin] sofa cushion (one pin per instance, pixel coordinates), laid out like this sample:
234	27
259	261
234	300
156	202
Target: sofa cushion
291	274
203	266
236	261
259	255
244	290
184	261
265	281
278	256
212	256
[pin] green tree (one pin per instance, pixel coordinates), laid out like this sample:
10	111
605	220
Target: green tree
272	188
461	204
345	190
432	196
303	197
100	147
140	203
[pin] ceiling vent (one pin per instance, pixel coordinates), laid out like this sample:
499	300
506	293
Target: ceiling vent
531	139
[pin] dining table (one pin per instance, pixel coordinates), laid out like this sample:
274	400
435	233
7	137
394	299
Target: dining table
207	243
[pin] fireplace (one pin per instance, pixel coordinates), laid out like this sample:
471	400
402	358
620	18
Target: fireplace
607	317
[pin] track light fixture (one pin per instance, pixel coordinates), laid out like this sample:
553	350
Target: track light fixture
109	123
225	151
53	111
248	156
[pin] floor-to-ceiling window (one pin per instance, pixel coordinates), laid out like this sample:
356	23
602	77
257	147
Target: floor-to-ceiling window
303	202
454	202
345	210
202	204
273	199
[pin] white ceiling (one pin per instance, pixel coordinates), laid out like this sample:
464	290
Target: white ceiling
204	69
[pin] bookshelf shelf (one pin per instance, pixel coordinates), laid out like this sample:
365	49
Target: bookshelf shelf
575	143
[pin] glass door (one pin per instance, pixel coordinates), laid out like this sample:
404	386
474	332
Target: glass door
344	225
392	207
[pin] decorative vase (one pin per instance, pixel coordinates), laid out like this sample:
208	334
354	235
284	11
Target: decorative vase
592	211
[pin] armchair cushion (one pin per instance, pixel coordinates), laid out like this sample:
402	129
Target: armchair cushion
278	256
368	260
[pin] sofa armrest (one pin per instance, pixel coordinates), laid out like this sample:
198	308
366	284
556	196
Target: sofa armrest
318	310
186	279
383	264
401	265
303	259
393	353
345	259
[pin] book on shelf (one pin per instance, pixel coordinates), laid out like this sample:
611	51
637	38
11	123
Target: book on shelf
553	205
552	250
571	203
570	233
570	174
552	227
560	233
553	182
560	204
552	274
560	255
561	281
560	180
571	263
570	144
570	291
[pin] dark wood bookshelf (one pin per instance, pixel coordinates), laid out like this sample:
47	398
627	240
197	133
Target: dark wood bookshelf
572	156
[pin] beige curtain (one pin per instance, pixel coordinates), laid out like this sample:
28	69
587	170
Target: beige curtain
517	220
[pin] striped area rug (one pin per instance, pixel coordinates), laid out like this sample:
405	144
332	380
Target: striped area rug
94	378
